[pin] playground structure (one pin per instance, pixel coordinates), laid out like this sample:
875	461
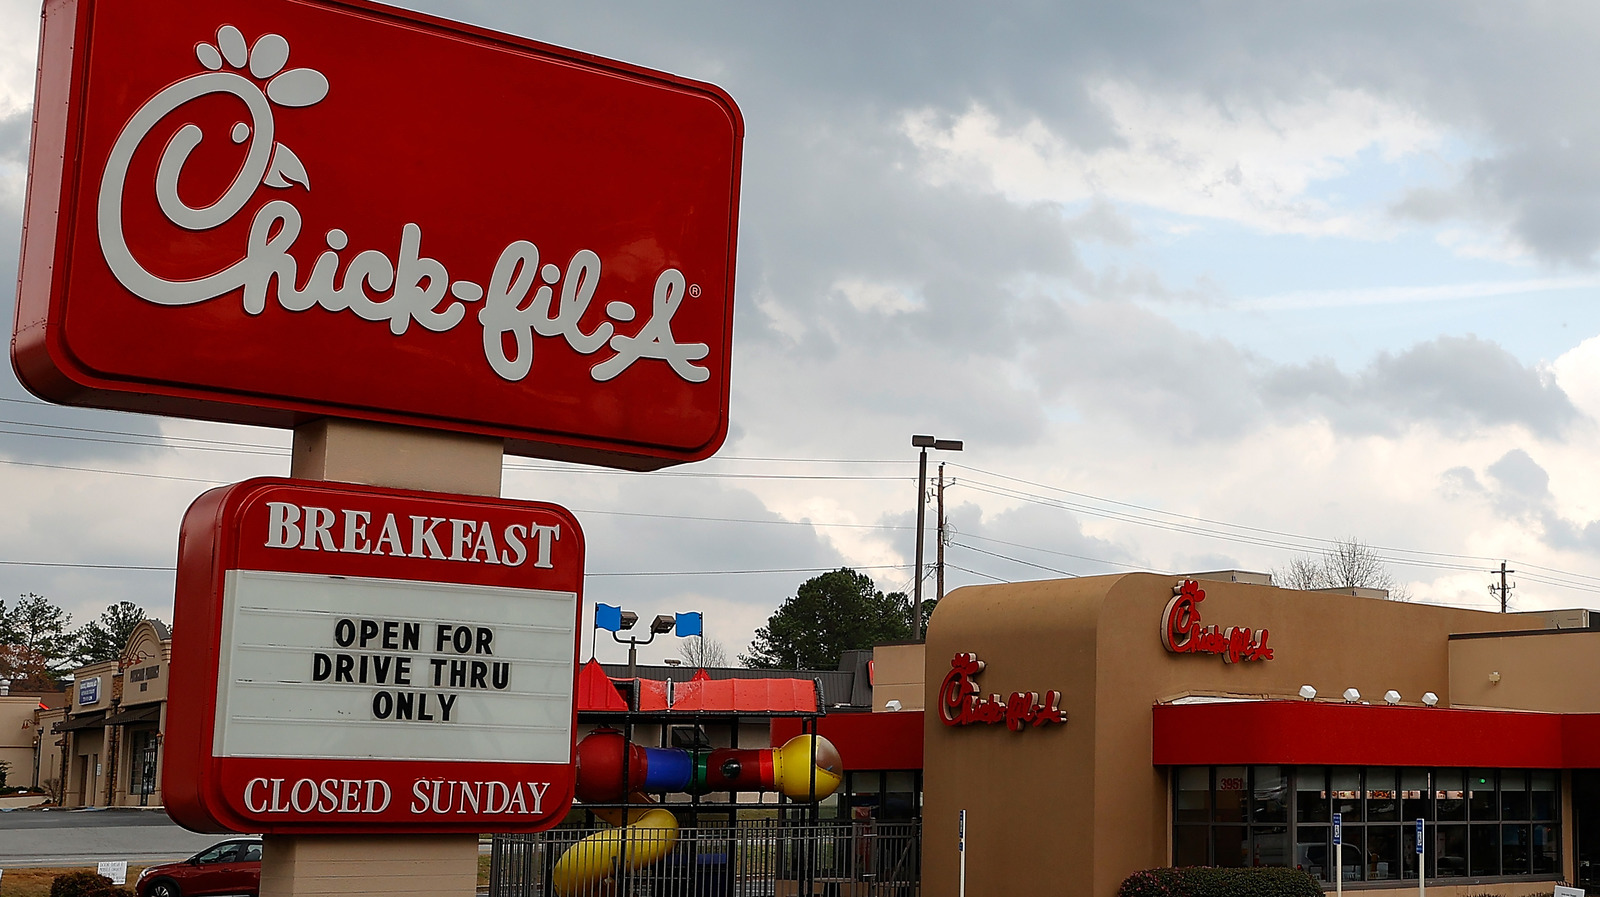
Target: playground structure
613	770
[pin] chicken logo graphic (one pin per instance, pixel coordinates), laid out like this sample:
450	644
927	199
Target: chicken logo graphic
521	300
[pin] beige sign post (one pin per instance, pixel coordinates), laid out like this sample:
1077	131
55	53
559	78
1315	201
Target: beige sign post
353	865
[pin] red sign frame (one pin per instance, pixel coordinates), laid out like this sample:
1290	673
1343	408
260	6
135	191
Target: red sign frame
334	539
271	211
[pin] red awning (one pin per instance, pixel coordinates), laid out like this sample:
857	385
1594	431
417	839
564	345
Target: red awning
596	691
1314	732
746	695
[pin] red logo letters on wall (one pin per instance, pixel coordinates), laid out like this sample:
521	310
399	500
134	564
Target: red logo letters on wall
1181	632
961	705
269	211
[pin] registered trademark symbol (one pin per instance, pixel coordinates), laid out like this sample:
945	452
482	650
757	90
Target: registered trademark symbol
694	291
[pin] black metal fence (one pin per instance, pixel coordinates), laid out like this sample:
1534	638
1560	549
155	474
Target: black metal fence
753	858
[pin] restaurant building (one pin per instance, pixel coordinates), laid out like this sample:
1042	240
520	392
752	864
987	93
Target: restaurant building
1093	727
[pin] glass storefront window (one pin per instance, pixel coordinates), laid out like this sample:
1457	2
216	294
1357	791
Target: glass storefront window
1546	848
1515	858
1490	823
1513	794
1383	852
1193	802
1481	802
1191	845
1233	849
1231	792
1347	793
1542	794
1269	796
1450	792
1483	853
1449	858
1416	796
1312	847
1270	845
1383	803
1311	794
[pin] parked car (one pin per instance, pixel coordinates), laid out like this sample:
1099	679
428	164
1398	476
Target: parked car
227	867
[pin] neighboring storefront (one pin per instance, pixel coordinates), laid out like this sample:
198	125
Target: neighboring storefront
110	737
1097	726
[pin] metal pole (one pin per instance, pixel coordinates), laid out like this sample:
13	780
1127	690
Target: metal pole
961	849
922	503
1338	854
633	658
1422	863
939	565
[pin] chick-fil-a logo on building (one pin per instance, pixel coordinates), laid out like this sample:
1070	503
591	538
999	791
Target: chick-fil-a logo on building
342	208
961	702
1183	633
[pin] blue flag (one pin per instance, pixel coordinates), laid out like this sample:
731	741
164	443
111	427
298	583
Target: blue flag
608	617
689	624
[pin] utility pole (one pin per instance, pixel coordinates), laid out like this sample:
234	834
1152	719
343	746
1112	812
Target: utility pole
1504	589
924	443
938	594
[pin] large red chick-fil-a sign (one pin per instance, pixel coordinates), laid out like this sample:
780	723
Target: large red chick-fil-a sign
268	211
962	704
1182	632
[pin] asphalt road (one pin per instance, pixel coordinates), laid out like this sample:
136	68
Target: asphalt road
85	837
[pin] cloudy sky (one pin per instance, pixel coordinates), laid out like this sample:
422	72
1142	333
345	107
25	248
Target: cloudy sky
1200	285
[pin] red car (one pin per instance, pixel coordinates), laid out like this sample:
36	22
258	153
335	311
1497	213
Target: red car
228	867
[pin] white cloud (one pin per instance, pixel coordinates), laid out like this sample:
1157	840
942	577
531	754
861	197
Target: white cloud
1254	164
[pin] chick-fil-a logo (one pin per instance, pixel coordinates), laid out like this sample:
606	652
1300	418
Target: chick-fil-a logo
519	302
961	704
1181	632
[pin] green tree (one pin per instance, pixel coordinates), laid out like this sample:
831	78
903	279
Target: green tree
829	614
37	631
105	638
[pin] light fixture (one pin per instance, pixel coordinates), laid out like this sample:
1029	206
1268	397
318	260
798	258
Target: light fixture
663	624
1351	696
892	706
1430	698
1391	697
1495	677
625	620
1308	692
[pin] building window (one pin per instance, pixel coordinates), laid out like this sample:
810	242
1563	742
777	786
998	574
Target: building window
1478	823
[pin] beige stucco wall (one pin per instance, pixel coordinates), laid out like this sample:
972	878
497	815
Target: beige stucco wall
897	675
17	729
1536	672
1083	800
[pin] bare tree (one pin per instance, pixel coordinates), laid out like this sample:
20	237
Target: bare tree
697	652
1349	563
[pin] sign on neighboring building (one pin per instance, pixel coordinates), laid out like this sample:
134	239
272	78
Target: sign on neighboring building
345	209
89	691
364	659
1183	633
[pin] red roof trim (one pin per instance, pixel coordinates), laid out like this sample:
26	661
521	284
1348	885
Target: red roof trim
1295	732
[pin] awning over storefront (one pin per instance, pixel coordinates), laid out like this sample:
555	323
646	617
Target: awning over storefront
147	714
1314	732
88	720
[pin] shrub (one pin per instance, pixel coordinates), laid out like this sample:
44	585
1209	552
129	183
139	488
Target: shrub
86	884
1206	881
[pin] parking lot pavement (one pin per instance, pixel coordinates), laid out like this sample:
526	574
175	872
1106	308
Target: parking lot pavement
83	837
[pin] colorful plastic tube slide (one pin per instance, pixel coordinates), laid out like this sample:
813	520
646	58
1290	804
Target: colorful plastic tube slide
609	768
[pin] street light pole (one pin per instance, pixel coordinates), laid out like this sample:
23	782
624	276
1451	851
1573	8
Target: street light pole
924	443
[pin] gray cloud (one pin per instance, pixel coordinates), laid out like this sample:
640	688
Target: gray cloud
1458	383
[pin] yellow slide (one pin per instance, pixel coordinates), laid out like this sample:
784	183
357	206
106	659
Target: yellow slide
589	868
